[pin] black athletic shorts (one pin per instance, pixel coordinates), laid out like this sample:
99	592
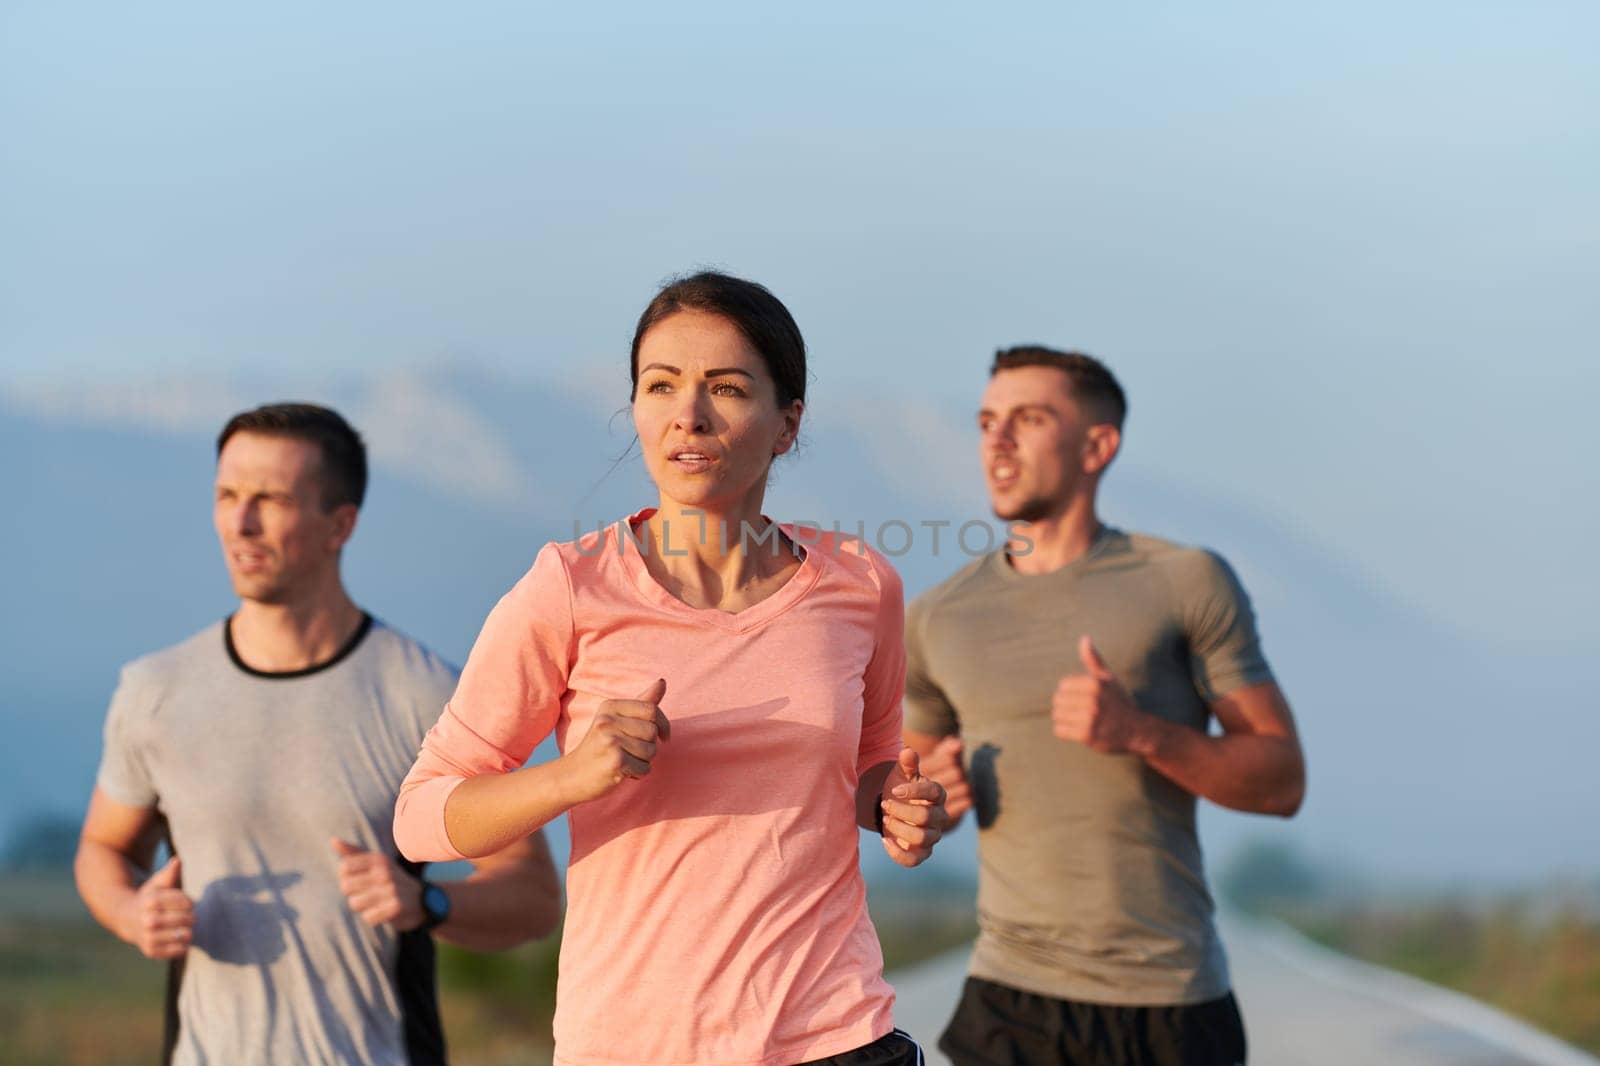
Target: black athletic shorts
999	1026
895	1049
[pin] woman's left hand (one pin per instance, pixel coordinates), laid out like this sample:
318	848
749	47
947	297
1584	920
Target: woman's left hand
913	812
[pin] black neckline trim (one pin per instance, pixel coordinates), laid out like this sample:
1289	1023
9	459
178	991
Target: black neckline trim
283	675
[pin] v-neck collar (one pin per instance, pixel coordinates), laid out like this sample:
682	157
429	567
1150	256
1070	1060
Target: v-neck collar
793	590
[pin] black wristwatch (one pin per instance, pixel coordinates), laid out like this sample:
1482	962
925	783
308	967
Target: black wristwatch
435	907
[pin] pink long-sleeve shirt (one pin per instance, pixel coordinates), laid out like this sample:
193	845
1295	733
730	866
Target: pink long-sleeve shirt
716	909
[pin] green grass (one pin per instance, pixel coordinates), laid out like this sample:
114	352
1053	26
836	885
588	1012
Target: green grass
1538	964
69	993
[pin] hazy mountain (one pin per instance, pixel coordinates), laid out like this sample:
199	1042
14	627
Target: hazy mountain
1433	757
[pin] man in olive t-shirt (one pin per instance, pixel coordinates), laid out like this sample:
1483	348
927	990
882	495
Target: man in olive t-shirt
1063	690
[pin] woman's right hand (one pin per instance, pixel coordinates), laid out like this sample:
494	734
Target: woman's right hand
621	743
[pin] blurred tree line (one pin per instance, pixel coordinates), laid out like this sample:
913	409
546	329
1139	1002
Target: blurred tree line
40	843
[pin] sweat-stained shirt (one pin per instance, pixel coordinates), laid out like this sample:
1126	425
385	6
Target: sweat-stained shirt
716	913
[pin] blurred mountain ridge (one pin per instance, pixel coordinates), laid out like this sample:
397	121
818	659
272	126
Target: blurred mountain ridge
1432	755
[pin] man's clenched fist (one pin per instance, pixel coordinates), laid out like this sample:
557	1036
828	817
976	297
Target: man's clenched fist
1093	709
943	764
159	918
377	889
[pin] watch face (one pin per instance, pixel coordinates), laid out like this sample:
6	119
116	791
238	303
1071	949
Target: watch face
436	903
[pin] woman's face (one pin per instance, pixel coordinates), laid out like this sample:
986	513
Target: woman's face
706	412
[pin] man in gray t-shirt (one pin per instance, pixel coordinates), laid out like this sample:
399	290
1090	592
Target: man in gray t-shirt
267	750
1062	689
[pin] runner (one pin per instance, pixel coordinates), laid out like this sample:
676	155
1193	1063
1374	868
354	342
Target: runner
726	695
1061	688
268	750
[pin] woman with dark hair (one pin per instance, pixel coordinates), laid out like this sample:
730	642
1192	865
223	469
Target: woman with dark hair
726	697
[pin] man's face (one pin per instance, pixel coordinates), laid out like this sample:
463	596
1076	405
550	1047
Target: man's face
1033	444
277	540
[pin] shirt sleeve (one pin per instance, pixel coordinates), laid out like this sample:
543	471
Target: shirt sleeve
1224	649
886	672
124	773
507	701
928	711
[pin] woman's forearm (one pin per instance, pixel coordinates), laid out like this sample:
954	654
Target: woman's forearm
489	812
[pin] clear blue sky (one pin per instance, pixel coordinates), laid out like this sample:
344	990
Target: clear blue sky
1345	259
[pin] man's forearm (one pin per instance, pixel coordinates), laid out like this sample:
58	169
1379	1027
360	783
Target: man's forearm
1252	773
108	881
501	906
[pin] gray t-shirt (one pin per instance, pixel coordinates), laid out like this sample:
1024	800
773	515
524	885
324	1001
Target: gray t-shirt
1091	886
254	773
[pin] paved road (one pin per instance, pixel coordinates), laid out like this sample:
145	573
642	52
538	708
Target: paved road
1306	1006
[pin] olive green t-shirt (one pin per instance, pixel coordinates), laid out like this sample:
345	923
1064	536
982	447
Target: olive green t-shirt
1091	885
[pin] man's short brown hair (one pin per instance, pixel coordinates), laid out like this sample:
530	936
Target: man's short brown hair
1093	386
344	456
